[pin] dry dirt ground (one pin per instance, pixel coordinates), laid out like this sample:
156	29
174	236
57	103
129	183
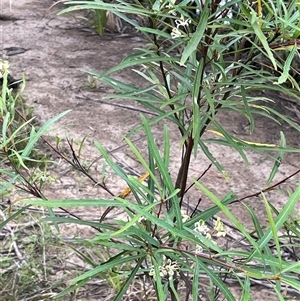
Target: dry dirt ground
53	50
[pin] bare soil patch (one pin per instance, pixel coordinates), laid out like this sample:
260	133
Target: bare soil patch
53	50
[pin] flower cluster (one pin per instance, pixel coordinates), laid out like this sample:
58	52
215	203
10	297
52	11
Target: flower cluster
218	230
201	228
167	270
170	5
185	217
4	66
176	33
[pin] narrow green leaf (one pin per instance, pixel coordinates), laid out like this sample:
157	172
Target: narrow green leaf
113	262
12	179
197	84
119	171
287	120
158	281
291	281
292	267
89	260
213	159
68	220
167	180
154	31
151	185
162	116
231	140
13	216
217	281
146	212
278	290
173	289
113	7
33	139
278	159
247	108
274	230
197	36
79	281
195	284
211	102
255	25
143	162
167	146
287	65
142	234
280	219
133	221
129	280
133	61
16	132
71	288
5	123
266	249
246	296
19	159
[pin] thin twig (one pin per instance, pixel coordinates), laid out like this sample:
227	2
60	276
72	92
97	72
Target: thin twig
269	188
117	105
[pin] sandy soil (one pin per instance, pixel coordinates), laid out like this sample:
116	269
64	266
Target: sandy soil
53	50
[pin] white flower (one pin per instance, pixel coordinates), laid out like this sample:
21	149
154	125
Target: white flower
168	269
183	23
185	217
219	228
208	236
176	33
171	7
201	228
152	273
198	249
4	66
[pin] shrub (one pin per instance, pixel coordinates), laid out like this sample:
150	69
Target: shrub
195	65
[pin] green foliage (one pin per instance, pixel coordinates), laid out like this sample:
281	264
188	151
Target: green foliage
19	137
194	66
97	20
219	65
